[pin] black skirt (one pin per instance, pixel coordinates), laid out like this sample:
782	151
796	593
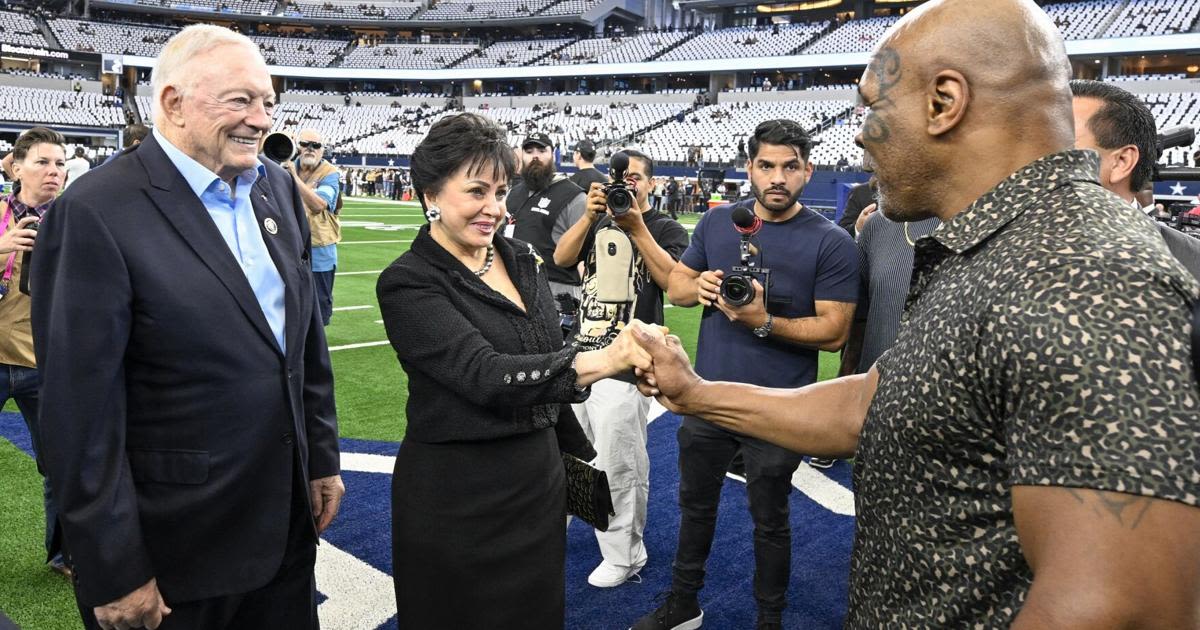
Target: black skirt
479	534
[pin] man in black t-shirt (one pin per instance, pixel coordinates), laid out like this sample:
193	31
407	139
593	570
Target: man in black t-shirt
614	416
585	156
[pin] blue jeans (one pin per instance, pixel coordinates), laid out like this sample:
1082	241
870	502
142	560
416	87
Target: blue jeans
21	384
324	282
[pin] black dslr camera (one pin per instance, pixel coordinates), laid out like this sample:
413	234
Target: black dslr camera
617	194
737	288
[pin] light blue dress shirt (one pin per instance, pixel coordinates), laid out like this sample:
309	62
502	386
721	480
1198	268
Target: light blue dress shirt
234	217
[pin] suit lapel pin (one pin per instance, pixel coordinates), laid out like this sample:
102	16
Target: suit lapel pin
269	223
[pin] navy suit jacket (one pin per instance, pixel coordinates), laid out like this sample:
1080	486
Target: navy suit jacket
171	421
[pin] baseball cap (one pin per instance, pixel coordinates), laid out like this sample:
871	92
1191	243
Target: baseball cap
538	138
585	146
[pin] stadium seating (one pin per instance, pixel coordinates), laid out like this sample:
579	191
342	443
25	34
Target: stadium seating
103	37
747	41
1172	109
353	9
616	49
1082	20
59	107
852	36
717	129
249	7
482	9
1155	17
18	28
295	51
418	56
512	53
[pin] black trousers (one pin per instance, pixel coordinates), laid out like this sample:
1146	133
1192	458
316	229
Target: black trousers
289	600
704	455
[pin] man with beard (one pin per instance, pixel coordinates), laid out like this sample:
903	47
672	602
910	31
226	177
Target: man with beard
320	186
1026	453
614	416
771	341
543	206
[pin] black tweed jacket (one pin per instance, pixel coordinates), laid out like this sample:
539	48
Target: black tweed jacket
478	366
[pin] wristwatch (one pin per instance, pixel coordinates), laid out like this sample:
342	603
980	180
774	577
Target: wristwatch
764	331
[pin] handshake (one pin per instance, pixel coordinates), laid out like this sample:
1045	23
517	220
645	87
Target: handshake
659	361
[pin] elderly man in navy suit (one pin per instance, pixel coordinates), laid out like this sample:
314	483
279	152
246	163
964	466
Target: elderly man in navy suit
188	411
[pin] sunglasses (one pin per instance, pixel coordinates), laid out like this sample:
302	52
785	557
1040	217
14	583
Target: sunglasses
316	146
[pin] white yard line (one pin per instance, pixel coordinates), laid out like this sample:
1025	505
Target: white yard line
372	242
353	308
352	346
358	273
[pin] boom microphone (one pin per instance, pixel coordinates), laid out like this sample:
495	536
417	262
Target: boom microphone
745	221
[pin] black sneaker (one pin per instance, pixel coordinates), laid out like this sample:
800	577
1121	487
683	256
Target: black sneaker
679	612
820	462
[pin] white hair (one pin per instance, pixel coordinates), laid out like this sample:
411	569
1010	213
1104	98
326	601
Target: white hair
181	49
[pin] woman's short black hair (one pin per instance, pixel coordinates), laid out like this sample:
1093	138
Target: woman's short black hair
33	137
455	141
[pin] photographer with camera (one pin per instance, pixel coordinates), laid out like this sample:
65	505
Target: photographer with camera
778	283
39	173
1119	126
320	186
628	251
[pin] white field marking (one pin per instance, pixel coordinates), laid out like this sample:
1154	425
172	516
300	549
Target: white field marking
352	308
379	200
358	273
372	242
365	462
352	346
827	493
379	321
357	595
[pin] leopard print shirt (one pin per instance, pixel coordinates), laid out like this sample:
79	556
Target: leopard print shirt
1045	341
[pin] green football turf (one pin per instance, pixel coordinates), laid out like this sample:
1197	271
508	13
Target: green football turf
371	392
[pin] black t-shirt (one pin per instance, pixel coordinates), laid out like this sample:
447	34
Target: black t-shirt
585	177
599	322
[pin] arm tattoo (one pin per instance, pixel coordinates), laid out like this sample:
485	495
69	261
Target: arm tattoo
1127	509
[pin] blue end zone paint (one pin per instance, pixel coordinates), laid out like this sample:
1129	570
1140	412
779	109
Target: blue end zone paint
821	543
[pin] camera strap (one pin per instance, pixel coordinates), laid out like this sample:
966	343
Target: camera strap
12	258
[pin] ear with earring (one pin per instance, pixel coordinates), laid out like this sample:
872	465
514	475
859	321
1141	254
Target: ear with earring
433	213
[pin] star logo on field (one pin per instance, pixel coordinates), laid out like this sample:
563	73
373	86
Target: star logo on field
1177	189
391	162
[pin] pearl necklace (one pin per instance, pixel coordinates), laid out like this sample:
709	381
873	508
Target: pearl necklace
487	263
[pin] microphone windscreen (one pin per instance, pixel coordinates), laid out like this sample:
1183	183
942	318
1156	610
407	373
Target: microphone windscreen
743	217
619	162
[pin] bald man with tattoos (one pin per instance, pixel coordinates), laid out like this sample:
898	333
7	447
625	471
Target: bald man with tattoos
1026	453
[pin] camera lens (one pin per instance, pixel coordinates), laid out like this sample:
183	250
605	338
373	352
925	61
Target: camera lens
737	290
619	201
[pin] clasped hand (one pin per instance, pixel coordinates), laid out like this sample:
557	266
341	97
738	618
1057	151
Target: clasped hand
669	376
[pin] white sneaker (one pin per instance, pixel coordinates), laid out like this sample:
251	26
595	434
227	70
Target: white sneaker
609	575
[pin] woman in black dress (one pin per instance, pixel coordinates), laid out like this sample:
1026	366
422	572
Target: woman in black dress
478	496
